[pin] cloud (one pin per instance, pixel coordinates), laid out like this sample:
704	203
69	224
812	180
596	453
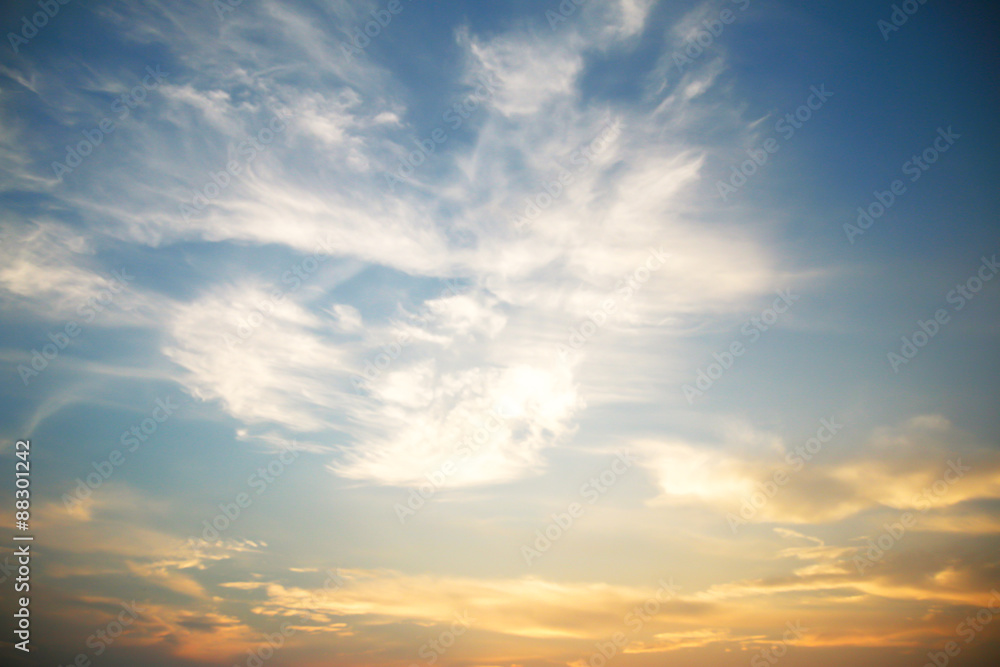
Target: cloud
532	73
905	468
51	269
633	193
261	356
517	607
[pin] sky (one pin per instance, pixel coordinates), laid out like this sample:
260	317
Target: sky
500	334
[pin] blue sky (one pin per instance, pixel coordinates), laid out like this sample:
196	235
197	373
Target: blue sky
400	364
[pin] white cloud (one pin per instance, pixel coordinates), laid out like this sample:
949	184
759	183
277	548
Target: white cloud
320	188
262	358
